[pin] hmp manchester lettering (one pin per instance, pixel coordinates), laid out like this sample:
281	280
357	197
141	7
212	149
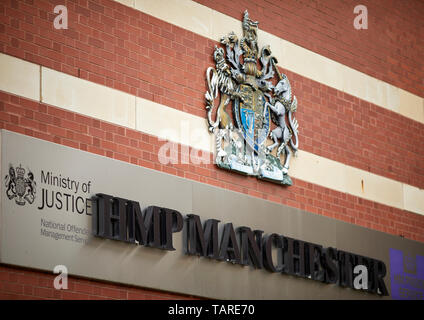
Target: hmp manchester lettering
121	219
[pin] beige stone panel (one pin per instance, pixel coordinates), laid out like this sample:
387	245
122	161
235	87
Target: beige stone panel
321	171
185	14
267	39
330	73
173	125
19	77
88	98
393	97
413	199
354	82
373	187
310	64
371	91
377	93
301	62
221	25
129	3
409	106
380	93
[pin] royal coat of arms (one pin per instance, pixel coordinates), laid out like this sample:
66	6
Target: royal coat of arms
258	98
20	187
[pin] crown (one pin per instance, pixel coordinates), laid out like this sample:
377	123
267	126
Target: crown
20	172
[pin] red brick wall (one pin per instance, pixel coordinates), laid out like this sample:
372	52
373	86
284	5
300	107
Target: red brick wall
122	48
23	284
391	49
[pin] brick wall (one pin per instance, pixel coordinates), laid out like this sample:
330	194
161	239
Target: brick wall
23	284
391	49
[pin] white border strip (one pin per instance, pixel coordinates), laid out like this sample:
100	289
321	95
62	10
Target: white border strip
212	24
104	103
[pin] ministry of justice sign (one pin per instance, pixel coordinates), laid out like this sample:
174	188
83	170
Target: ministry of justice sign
110	220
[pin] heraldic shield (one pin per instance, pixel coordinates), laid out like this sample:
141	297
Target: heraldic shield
260	96
252	116
20	187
